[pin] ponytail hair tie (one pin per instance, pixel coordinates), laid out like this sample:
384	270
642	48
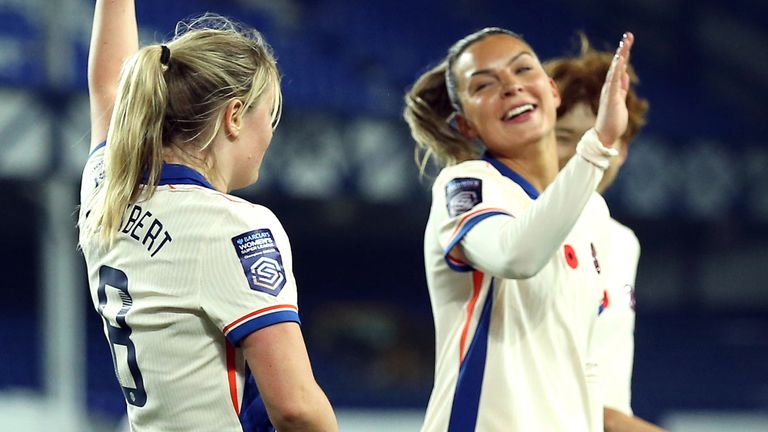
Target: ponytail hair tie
165	55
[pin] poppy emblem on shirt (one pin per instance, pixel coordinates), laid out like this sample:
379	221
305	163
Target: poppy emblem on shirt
570	256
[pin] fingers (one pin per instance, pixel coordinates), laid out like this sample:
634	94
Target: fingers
625	48
616	74
612	114
627	40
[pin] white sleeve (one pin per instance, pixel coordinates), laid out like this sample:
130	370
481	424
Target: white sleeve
93	173
248	282
519	247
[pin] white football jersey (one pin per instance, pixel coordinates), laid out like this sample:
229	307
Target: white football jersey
511	354
615	328
191	273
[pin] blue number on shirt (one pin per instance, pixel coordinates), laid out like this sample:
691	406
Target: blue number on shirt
121	335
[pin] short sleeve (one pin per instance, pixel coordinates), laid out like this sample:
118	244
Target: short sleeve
466	194
93	173
248	281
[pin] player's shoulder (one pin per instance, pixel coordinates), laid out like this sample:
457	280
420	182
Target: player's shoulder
467	173
479	168
598	205
235	211
595	214
623	234
228	202
93	173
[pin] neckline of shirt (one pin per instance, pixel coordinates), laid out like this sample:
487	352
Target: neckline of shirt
510	174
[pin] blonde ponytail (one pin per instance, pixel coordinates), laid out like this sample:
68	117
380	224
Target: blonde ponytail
135	137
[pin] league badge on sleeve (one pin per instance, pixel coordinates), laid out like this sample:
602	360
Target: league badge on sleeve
261	261
461	194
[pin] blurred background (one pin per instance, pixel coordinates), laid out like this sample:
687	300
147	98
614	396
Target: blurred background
340	176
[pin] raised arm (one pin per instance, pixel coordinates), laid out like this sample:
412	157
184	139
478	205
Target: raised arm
280	365
502	246
519	247
114	38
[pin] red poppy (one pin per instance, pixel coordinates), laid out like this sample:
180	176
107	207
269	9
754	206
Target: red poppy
570	256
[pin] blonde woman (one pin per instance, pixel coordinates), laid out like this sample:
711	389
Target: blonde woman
512	275
194	285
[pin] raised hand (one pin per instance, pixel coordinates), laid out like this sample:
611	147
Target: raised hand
612	114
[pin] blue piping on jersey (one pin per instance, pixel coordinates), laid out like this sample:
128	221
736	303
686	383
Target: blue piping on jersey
95	149
240	332
253	413
508	173
469	386
468	225
461	268
172	174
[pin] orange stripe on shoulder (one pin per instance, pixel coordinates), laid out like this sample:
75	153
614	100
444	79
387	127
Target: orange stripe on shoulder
259	312
472	214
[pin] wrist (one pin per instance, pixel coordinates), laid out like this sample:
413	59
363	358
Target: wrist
592	149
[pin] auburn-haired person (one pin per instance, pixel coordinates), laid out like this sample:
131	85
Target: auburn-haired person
579	81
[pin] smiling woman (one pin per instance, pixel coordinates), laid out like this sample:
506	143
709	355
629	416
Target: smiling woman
508	100
512	274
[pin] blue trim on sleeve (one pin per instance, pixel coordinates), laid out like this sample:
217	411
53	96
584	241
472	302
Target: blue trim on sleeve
468	225
239	333
469	386
463	268
515	177
95	149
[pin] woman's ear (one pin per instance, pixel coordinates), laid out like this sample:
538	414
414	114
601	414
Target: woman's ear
233	118
465	128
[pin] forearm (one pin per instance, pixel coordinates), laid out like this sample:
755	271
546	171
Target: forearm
312	414
617	421
280	365
518	247
114	38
